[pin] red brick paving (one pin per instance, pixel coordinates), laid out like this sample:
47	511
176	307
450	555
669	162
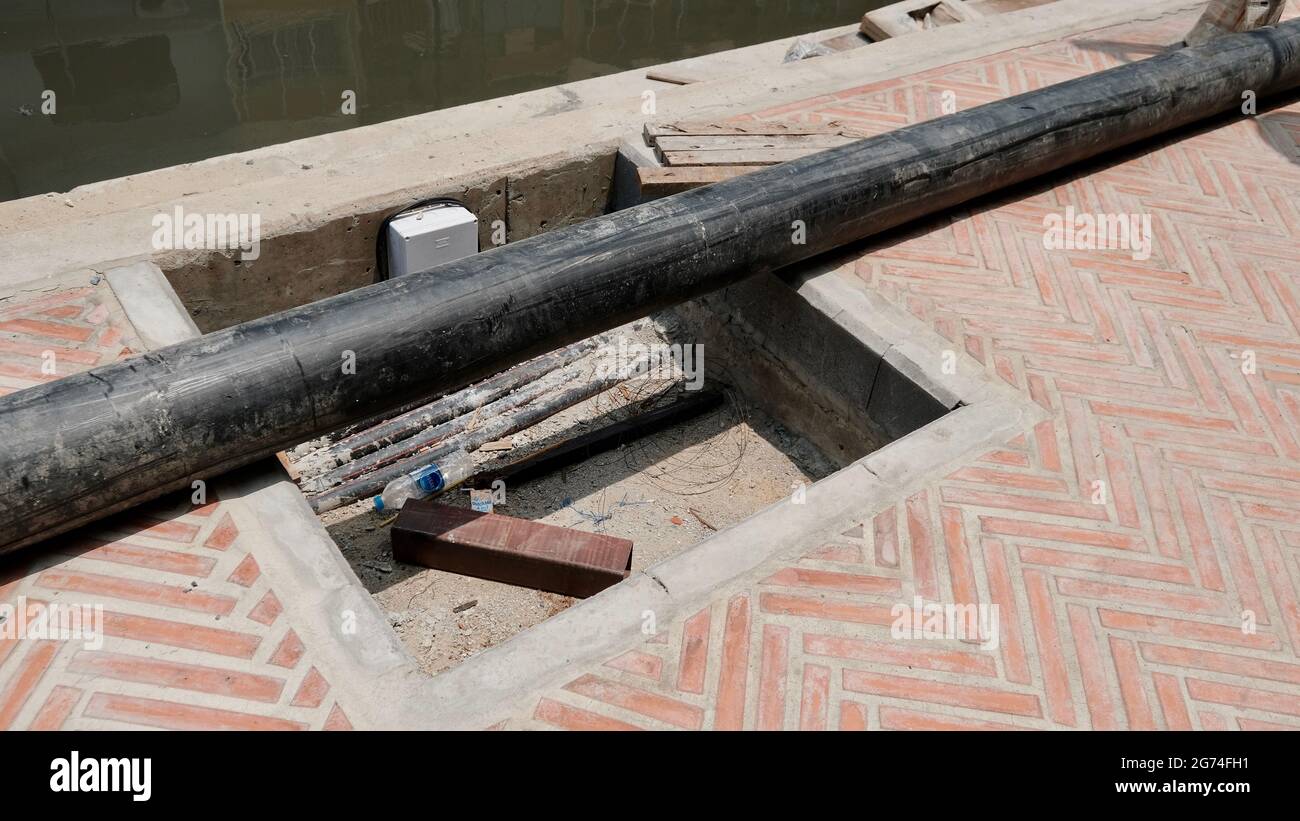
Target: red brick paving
195	637
182	649
1123	614
60	332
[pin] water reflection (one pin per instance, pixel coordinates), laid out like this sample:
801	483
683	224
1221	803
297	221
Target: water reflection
141	84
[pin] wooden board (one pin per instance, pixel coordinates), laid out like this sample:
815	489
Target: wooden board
653	131
740	142
664	182
752	157
672	77
288	466
506	549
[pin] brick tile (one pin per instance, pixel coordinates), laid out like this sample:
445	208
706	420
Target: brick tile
955	695
773	670
170	715
669	711
167	674
312	691
734	666
572	718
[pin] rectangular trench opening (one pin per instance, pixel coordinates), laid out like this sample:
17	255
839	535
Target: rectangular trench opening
801	396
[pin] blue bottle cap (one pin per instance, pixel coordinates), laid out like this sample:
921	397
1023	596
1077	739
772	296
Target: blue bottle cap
379	503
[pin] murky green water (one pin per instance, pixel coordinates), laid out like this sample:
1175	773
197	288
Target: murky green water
142	84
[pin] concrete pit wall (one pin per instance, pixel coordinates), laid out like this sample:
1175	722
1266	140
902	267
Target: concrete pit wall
296	267
814	375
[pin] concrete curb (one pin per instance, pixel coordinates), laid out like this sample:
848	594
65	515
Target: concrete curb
151	305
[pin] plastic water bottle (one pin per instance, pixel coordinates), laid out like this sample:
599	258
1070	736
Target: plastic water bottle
449	471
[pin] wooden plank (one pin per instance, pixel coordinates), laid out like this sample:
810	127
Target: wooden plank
653	131
673	77
767	156
509	550
663	182
497	447
738	142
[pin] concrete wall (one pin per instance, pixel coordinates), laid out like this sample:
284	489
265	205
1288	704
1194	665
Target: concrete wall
317	259
835	385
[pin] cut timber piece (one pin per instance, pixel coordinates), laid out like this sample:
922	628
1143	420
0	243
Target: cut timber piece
672	77
413	422
737	142
283	458
664	182
742	156
653	131
743	144
909	17
514	551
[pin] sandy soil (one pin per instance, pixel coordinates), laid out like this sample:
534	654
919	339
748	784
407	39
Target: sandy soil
666	493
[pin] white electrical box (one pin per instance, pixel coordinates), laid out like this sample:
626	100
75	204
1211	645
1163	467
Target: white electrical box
432	235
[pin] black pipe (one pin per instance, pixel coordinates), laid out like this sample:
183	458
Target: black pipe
86	446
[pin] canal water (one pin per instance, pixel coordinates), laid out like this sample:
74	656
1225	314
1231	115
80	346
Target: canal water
143	84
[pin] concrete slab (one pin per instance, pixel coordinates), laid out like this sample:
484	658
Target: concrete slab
151	305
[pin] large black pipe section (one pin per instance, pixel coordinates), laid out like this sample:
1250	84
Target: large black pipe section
86	446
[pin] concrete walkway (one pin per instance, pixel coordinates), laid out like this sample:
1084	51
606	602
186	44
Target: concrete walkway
1132	505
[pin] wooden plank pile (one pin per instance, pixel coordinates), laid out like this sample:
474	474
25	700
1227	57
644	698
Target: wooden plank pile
702	153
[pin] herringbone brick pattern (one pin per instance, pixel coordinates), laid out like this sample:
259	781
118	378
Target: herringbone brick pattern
1141	545
194	636
55	333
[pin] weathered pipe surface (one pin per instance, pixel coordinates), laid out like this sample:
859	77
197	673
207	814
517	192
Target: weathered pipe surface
83	447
